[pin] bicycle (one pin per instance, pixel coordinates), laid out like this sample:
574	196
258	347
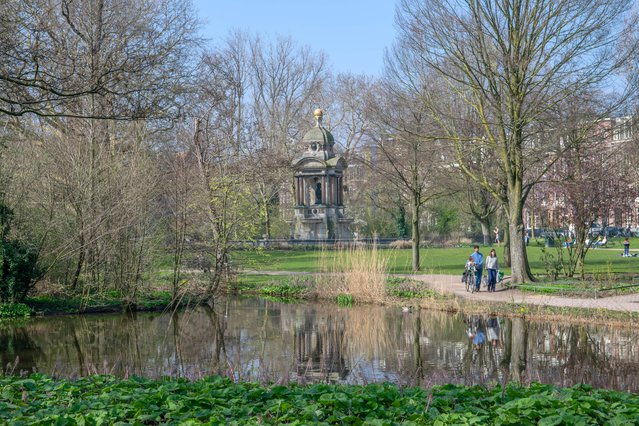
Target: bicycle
469	279
500	279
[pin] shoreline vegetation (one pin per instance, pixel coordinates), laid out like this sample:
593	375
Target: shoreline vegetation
344	278
358	275
218	400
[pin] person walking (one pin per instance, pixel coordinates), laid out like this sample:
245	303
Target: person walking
478	258
492	264
496	232
626	247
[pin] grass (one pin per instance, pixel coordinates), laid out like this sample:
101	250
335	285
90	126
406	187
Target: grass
48	304
606	269
434	260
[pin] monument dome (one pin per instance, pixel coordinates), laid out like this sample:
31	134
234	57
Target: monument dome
318	134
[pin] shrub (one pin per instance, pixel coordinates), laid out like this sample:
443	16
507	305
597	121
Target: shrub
344	300
18	270
14	310
401	244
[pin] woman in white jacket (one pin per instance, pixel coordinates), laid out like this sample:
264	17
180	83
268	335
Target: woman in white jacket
492	264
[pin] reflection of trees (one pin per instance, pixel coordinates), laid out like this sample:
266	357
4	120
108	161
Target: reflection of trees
218	350
264	340
17	345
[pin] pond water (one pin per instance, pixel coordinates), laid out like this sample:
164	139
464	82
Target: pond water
262	340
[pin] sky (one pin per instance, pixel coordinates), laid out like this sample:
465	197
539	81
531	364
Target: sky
352	33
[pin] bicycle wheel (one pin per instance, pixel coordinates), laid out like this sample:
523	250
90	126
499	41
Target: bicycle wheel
469	281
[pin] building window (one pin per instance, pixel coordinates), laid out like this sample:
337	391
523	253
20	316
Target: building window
622	131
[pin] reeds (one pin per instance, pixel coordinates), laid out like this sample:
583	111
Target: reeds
354	270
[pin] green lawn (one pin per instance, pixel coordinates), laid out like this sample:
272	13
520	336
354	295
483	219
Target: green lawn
434	260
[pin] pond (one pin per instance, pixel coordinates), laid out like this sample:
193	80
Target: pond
264	340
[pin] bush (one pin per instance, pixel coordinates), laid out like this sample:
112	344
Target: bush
14	310
18	270
401	244
18	260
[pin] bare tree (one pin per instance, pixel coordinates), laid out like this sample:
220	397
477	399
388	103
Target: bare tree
511	63
286	82
224	198
406	160
57	54
349	118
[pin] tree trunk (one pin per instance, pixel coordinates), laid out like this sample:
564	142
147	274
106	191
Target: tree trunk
485	231
518	258
415	232
267	221
506	254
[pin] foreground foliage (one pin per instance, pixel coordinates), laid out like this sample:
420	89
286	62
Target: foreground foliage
216	400
14	310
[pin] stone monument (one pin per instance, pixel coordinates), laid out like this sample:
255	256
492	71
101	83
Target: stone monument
319	188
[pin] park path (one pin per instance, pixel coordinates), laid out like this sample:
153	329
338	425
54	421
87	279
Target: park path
452	284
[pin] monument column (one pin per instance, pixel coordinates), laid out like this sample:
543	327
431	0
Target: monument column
324	190
307	195
331	199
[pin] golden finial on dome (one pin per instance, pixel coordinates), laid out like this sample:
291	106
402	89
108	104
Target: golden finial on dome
318	116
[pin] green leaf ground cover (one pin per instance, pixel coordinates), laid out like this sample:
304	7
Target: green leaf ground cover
101	400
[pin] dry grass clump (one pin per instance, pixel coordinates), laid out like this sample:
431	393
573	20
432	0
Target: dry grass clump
353	270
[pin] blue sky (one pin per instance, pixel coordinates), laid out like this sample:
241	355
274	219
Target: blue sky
353	33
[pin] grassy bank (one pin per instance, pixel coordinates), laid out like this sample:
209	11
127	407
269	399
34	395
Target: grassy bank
105	303
101	400
411	294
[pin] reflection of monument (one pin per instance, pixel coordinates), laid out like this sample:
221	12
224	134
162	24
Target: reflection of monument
319	188
319	347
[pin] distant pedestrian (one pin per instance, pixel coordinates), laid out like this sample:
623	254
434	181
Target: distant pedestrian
496	232
527	238
478	258
626	247
492	264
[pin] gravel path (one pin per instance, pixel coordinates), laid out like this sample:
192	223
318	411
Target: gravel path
453	284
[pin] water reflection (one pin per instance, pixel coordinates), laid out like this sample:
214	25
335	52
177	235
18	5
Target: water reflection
251	339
